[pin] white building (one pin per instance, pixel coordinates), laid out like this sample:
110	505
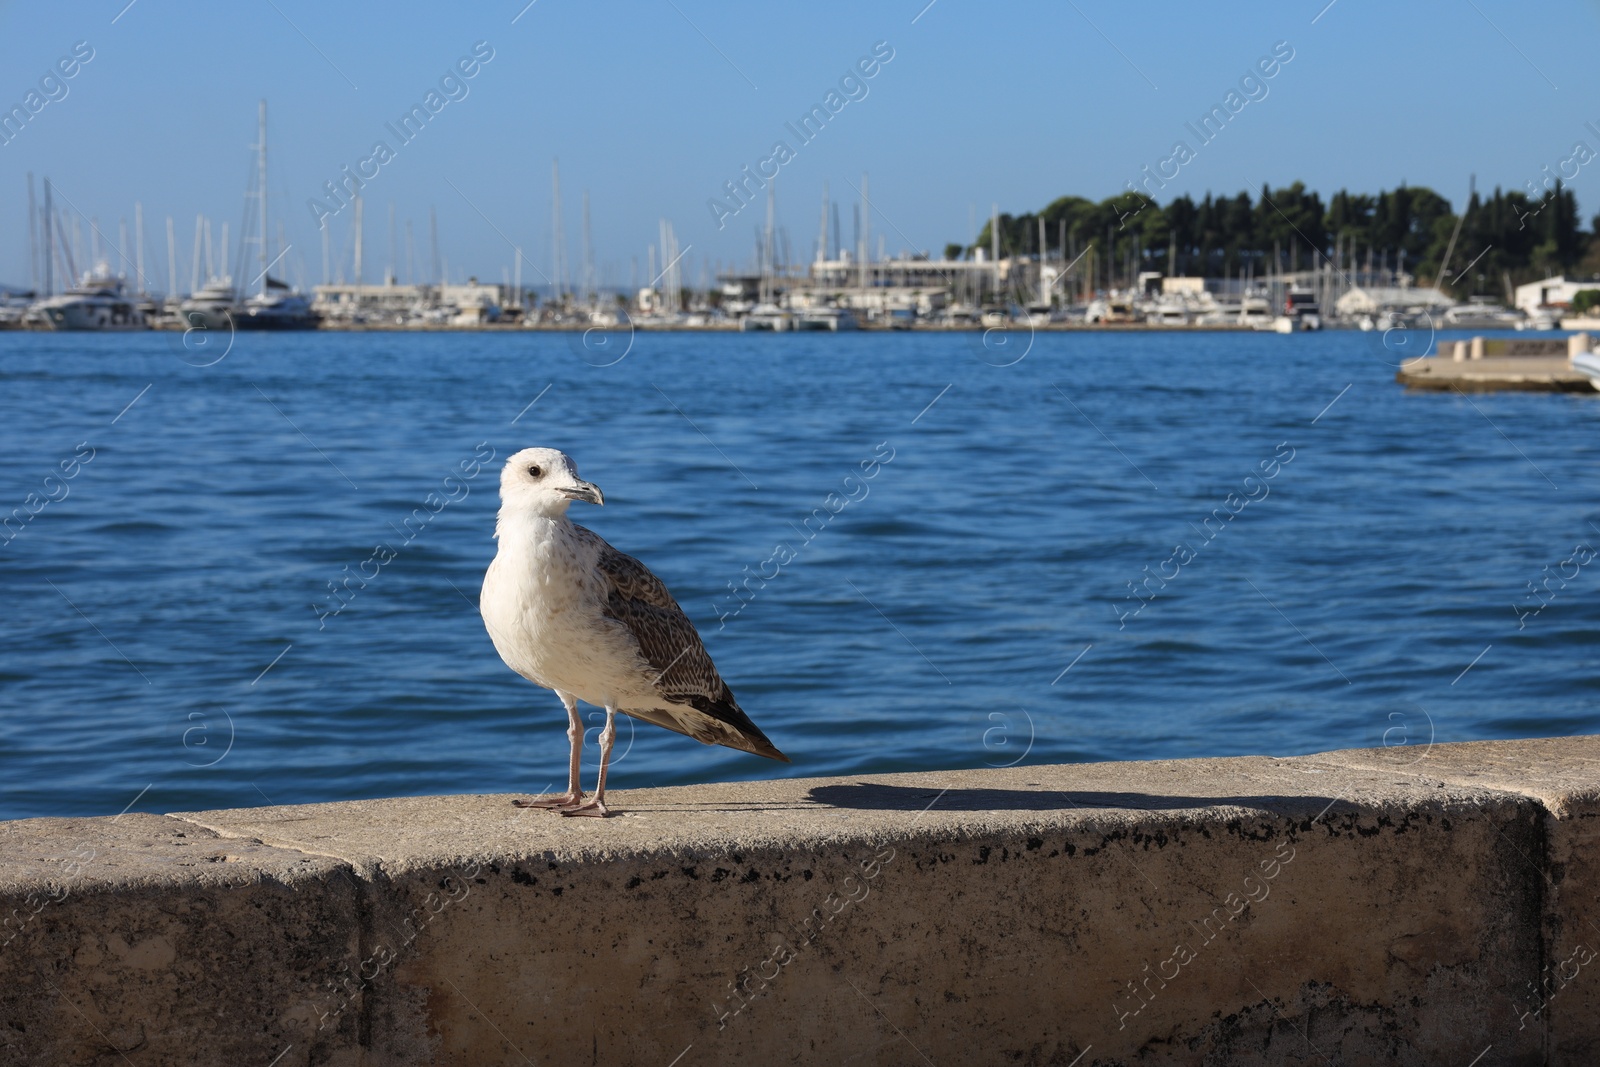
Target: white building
474	304
1369	300
920	272
1557	291
371	303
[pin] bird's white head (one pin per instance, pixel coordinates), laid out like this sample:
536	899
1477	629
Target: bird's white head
542	482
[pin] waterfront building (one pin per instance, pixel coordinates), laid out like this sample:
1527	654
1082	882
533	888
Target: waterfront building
1556	291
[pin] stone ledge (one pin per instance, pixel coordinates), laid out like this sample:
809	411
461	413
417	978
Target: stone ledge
1392	905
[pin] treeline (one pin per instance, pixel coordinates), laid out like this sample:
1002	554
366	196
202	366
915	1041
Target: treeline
1506	237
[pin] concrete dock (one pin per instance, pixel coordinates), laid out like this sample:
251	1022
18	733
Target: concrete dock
1408	905
1494	364
1536	374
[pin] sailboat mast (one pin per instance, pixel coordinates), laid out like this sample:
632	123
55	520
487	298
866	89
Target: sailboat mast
822	227
433	240
994	246
360	239
556	237
1044	293
138	243
866	232
261	191
49	244
172	261
411	255
283	250
194	273
33	241
588	256
769	259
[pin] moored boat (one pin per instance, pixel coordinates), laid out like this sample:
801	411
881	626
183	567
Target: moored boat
276	307
213	307
1588	364
98	302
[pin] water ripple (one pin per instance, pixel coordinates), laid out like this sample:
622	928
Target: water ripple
179	594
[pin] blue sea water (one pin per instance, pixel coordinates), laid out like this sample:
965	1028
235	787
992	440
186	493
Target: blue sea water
1323	559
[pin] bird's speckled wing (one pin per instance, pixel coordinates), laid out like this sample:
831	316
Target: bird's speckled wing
669	643
667	639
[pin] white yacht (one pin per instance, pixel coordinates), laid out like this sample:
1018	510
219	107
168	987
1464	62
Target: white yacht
1255	311
1541	318
767	317
1588	363
213	307
831	319
14	309
1169	309
1224	312
95	303
1479	315
1113	309
960	315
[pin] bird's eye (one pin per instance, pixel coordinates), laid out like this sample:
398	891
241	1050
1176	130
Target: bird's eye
535	471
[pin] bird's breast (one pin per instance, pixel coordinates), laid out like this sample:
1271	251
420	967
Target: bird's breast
537	597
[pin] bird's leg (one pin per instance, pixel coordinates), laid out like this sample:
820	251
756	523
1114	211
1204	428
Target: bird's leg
597	807
574	794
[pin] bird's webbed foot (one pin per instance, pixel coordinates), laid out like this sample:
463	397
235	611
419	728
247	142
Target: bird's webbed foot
556	801
595	809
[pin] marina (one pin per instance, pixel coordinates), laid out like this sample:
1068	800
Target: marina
1028	273
808	302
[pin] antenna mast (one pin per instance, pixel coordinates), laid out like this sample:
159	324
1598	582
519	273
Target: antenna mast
261	191
556	237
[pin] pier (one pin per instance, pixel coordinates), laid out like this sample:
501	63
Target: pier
1484	365
1413	904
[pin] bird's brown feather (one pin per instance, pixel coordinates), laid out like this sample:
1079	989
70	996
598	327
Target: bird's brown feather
669	643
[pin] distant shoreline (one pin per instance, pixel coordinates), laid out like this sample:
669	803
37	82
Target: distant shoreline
1054	327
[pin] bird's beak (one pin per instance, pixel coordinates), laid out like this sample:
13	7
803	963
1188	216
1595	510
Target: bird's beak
586	491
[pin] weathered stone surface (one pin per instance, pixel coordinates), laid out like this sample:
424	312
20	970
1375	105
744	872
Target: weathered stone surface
1023	915
1343	908
1563	773
146	939
1548	374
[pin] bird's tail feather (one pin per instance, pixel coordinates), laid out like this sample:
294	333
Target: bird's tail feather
720	723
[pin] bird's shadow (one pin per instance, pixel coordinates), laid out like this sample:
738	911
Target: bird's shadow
868	796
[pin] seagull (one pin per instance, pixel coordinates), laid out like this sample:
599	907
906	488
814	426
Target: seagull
572	614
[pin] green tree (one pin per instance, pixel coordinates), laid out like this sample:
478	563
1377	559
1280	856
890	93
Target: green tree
1180	218
1294	222
1503	236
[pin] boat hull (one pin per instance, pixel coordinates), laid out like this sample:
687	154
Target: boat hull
93	315
251	321
1588	363
207	318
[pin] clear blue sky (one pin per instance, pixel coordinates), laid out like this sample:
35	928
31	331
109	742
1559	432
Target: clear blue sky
651	105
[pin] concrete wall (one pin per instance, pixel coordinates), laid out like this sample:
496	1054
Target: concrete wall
1394	906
